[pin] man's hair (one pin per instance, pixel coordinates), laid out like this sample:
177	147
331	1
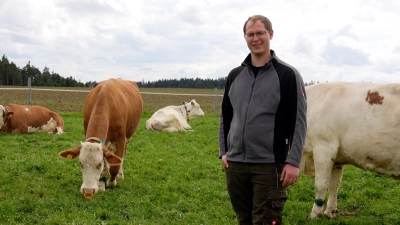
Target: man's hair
265	20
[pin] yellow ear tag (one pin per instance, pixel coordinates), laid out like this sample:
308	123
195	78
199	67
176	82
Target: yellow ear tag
69	157
10	115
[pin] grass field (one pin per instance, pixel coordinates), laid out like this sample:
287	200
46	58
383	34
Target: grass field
170	178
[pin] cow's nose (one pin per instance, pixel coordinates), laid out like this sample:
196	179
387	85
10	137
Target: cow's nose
88	193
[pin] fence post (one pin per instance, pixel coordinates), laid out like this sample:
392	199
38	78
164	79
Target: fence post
29	91
215	101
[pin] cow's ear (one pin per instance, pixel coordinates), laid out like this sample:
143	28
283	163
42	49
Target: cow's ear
192	103
71	154
10	114
111	158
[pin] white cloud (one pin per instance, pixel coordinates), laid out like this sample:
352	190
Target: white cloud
344	48
150	39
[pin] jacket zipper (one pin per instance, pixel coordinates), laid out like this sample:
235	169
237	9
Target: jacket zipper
245	119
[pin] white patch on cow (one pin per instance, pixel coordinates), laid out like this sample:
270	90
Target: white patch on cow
92	164
27	109
174	118
50	127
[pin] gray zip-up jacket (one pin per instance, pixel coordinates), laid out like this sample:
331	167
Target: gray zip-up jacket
263	117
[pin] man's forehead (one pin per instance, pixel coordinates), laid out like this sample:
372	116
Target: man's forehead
255	24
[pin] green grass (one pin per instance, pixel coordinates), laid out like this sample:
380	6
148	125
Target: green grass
170	178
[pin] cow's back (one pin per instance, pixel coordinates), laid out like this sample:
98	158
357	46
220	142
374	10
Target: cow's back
360	121
114	104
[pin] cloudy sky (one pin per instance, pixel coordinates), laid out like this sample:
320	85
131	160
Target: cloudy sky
148	40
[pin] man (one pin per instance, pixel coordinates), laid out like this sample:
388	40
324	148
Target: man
262	128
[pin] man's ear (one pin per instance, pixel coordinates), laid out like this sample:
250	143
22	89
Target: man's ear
70	154
271	34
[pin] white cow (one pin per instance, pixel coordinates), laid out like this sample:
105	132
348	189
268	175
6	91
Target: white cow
174	118
350	123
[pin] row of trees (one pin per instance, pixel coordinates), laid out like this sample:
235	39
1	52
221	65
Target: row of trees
185	83
11	75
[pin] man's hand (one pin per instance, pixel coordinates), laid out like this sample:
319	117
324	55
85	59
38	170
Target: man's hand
224	161
290	174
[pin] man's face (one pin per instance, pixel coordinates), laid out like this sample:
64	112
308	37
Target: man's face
257	41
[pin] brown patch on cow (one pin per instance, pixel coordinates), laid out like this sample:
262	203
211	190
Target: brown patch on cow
374	98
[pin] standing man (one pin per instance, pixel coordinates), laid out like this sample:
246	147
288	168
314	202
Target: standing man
262	128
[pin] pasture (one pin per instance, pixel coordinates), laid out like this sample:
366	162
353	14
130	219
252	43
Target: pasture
170	178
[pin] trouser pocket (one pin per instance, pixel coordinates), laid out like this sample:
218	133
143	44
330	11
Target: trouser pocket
276	202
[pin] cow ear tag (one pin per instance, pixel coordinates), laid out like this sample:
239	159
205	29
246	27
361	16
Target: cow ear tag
69	157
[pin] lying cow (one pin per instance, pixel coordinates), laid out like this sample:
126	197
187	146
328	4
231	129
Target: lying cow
28	119
350	123
174	118
112	114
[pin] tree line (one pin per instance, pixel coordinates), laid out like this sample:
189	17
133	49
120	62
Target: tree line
11	75
184	83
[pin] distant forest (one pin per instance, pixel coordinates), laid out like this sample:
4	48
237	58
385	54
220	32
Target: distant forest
11	75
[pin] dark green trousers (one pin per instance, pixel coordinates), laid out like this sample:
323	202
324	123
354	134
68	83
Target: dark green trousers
256	193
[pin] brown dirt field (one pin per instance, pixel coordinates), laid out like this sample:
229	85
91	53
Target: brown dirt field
74	99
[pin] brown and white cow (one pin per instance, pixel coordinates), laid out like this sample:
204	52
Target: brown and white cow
350	123
112	114
174	118
28	119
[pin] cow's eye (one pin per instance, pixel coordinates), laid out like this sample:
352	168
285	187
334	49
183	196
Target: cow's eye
99	166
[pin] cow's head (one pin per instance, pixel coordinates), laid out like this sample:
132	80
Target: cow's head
193	109
91	160
5	116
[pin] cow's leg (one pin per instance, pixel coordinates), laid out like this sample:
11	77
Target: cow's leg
60	130
115	169
112	182
323	162
120	175
22	130
336	178
170	129
186	126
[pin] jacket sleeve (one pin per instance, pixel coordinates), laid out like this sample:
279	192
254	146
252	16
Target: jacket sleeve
224	121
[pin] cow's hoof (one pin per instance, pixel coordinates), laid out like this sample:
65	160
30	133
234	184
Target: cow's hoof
331	214
112	184
120	176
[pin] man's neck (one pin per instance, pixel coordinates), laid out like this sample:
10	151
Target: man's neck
260	60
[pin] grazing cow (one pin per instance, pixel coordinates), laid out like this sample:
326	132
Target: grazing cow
112	114
174	118
28	119
350	123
